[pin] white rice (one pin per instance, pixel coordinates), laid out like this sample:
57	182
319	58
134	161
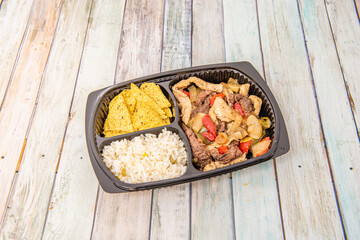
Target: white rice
147	157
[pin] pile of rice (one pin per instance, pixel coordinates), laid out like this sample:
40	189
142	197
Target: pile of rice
147	157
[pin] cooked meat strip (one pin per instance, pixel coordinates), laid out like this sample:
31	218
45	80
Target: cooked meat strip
233	152
201	97
203	108
231	99
245	103
199	150
221	127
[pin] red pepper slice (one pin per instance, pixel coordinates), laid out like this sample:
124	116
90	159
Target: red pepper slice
223	149
209	136
212	99
238	107
244	146
187	93
209	124
265	150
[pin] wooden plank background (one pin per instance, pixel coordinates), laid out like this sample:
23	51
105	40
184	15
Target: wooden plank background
54	53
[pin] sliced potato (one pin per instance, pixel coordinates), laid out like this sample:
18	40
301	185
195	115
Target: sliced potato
236	124
197	123
257	103
260	147
255	131
239	134
233	85
244	89
252	120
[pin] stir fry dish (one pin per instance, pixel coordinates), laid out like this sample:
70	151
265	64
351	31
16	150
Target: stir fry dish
221	122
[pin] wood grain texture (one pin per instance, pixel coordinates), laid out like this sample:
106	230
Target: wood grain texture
307	196
139	55
27	206
171	205
14	17
256	201
211	202
72	205
208	32
338	124
346	31
21	96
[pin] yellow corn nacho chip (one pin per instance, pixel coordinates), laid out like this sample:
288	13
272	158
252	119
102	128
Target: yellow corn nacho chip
130	99
155	93
144	98
146	117
118	118
167	112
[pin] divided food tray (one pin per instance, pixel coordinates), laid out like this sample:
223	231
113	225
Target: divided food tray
97	110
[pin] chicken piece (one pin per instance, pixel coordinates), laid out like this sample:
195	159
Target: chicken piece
222	110
184	105
228	94
200	83
209	167
244	89
257	103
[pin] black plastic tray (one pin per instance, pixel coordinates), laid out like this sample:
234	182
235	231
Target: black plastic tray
97	109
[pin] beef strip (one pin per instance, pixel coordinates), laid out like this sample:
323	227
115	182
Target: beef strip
199	150
201	97
231	99
203	108
221	127
233	152
245	103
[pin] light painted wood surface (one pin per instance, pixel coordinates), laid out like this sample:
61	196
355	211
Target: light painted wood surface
308	52
14	17
211	199
338	123
28	203
72	206
346	31
139	55
171	205
308	212
20	100
256	201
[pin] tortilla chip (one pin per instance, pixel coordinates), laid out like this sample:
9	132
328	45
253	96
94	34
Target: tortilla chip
154	92
146	117
118	118
167	112
144	98
130	99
